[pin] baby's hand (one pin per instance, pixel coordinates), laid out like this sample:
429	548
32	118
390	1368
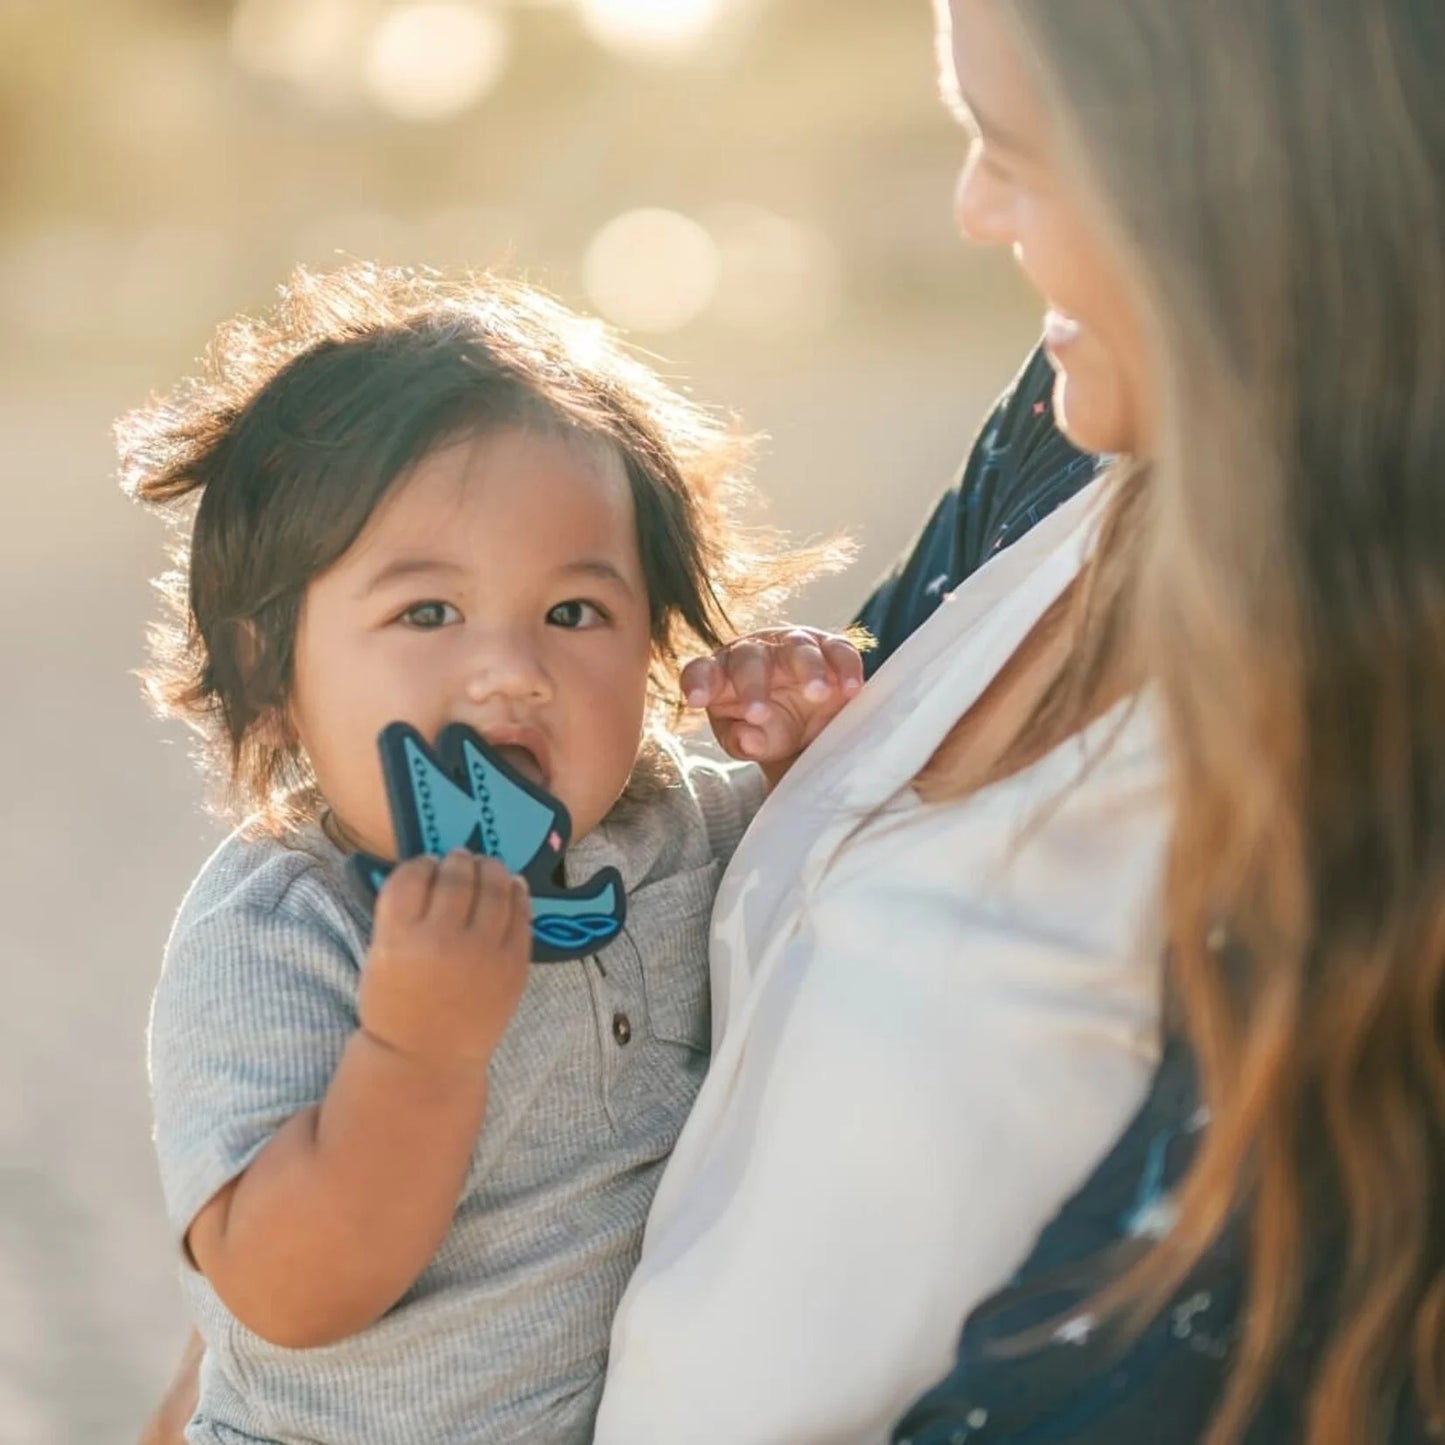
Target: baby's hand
768	695
450	949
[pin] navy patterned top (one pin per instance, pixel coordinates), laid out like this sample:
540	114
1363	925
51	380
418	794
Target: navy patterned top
1077	1379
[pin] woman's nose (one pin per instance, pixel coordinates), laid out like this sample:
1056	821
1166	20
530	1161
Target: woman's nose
982	205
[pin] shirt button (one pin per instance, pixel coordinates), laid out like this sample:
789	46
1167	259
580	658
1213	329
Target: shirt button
621	1027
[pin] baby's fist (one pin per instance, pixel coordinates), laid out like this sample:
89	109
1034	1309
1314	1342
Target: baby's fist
450	950
769	694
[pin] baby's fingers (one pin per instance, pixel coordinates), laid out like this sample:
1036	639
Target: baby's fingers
702	681
846	662
406	894
748	667
498	894
517	936
780	736
806	666
749	741
455	892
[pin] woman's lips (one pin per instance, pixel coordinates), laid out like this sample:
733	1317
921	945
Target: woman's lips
1060	332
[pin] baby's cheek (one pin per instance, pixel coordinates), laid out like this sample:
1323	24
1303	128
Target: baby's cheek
614	754
348	775
605	744
366	821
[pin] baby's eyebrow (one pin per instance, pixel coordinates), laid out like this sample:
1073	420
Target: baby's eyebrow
598	567
399	569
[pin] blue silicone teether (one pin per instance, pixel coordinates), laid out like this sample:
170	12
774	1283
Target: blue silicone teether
461	794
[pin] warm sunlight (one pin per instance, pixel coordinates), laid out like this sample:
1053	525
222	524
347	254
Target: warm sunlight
650	28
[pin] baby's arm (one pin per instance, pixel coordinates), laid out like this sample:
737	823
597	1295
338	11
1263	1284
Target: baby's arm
769	694
336	1216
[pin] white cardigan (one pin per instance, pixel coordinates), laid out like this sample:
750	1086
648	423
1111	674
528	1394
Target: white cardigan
928	1025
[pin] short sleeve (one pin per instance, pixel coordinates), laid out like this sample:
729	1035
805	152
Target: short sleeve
729	795
255	1003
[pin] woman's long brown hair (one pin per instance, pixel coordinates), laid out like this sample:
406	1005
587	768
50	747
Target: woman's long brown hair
1273	171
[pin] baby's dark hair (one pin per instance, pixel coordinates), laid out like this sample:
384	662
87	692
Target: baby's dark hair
298	425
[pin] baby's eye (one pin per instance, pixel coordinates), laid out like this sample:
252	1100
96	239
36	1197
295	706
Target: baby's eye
576	614
426	616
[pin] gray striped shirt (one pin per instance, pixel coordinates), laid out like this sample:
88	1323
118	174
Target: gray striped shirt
504	1336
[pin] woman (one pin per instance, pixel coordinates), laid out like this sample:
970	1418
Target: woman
1236	212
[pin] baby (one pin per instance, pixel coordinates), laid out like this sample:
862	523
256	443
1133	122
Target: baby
409	1169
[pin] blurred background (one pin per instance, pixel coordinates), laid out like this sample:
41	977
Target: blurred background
757	190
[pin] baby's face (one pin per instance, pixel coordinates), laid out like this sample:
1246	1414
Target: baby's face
498	585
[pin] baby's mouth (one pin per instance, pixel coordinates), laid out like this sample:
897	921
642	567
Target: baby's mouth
521	760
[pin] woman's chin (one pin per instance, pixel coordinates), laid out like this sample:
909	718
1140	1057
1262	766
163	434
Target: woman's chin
1092	415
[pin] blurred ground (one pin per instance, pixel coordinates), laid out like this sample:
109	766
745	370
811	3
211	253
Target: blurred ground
153	176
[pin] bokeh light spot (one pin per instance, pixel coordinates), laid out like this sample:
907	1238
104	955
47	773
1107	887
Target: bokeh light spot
432	60
311	43
651	270
778	276
661	29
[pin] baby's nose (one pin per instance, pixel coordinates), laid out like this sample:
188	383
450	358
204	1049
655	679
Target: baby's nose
507	672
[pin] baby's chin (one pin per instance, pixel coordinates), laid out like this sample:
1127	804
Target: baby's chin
587	814
350	838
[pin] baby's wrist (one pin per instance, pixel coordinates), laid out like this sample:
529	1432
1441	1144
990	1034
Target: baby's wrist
425	1059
